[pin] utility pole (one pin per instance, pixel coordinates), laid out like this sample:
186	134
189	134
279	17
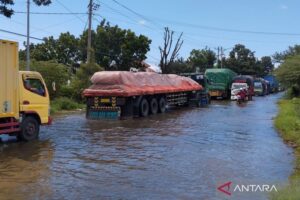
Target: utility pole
28	37
218	57
222	53
89	46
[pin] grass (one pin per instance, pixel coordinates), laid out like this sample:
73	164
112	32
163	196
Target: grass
287	123
64	103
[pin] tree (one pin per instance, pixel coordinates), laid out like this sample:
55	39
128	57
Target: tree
281	56
112	43
267	64
242	60
82	78
8	12
288	74
67	49
203	59
167	55
64	50
179	66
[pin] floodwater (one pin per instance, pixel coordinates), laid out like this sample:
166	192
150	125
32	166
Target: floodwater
182	154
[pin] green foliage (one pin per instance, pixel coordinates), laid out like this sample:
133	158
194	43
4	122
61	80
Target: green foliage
64	103
267	64
4	10
204	58
82	79
288	74
242	61
179	66
113	43
8	12
292	51
64	49
288	124
51	72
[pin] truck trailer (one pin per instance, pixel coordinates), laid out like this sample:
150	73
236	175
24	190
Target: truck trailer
273	83
24	98
119	94
220	82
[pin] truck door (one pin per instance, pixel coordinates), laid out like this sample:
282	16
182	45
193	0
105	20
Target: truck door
34	97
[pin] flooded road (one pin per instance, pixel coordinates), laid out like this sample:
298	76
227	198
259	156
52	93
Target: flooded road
182	154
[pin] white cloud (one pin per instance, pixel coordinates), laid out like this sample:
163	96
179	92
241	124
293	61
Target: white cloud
284	7
142	22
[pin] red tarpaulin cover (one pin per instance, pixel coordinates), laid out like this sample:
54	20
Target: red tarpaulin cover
122	83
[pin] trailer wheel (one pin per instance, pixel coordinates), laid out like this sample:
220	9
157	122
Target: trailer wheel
144	108
30	129
162	105
153	106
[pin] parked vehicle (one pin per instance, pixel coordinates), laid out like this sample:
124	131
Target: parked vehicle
24	98
267	87
249	80
260	87
240	91
201	79
220	82
117	94
274	85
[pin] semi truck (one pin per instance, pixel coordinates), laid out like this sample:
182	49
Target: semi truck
249	80
273	83
24	98
120	94
201	79
220	82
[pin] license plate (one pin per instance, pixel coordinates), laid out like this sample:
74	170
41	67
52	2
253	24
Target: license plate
214	93
107	100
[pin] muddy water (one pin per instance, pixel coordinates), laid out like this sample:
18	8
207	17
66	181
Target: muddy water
183	154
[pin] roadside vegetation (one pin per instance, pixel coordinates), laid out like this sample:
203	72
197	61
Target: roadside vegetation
287	121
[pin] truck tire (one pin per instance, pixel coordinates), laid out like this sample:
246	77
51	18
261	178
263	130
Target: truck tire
144	108
153	106
162	103
30	129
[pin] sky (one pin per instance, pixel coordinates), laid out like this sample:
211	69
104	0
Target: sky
264	26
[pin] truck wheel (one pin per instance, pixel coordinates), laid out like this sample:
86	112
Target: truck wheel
144	108
30	129
162	105
153	106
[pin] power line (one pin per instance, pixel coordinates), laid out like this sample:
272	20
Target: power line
52	13
138	14
66	8
184	24
19	34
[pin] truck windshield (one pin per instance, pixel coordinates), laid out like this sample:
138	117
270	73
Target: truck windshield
238	86
35	86
257	84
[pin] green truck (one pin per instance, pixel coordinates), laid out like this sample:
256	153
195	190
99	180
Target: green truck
220	82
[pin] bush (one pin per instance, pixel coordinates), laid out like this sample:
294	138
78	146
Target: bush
289	75
64	103
66	91
82	79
